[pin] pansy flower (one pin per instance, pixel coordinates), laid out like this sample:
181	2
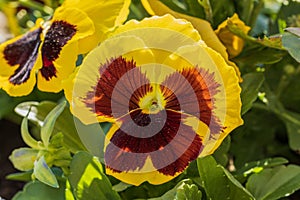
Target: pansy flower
50	48
169	97
233	43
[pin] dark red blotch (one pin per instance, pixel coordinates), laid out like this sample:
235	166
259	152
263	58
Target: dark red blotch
57	36
171	149
192	91
133	85
23	52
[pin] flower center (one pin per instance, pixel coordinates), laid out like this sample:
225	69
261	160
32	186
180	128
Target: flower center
152	102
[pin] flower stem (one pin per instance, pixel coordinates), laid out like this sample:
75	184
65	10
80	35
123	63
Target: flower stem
207	9
36	6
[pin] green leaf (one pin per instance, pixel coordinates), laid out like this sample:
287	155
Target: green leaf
27	138
272	184
221	154
251	141
44	174
256	166
21	176
293	128
49	122
121	186
257	55
23	158
64	123
88	180
292	43
68	192
250	88
36	190
265	163
94	140
184	190
291	119
294	30
7	101
218	182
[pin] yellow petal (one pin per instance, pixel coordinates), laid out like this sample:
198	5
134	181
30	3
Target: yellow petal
105	15
227	103
138	178
203	27
167	30
73	16
19	90
89	75
64	61
23	52
64	65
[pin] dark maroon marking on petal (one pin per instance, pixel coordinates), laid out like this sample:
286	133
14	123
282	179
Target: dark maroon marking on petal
183	149
131	88
146	140
121	160
191	153
57	36
48	72
168	153
204	87
181	160
23	52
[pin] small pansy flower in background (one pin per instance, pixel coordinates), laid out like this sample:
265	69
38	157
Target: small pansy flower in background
233	43
170	98
50	48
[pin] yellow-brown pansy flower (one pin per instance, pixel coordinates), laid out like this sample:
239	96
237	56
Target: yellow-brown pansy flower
50	48
233	43
169	97
155	7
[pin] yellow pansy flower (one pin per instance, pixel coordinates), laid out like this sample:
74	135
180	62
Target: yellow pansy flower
50	48
169	97
233	43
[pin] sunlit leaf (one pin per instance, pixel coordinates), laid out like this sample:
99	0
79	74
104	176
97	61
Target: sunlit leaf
27	138
64	123
23	158
44	174
88	180
21	176
49	122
